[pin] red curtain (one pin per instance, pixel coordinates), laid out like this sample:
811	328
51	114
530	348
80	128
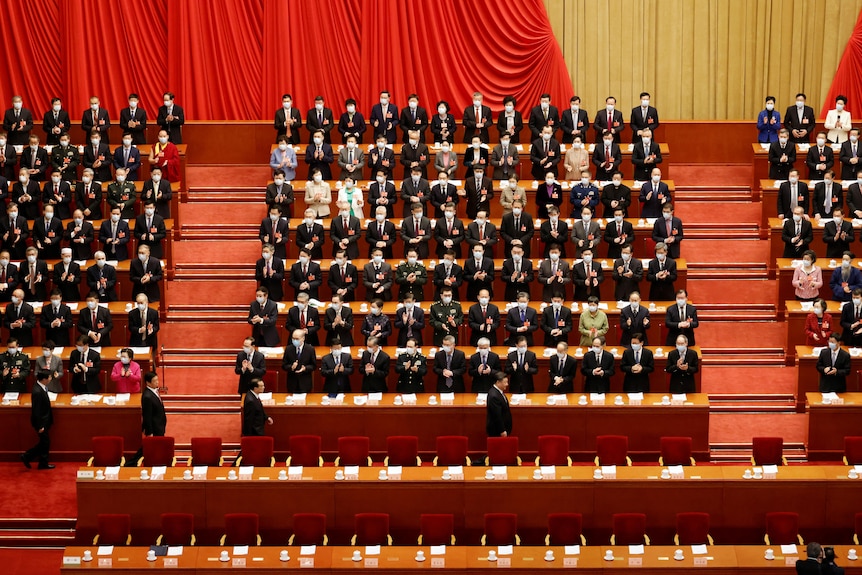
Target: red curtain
233	59
848	80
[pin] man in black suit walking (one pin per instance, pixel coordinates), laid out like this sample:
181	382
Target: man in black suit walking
498	418
153	418
41	418
254	417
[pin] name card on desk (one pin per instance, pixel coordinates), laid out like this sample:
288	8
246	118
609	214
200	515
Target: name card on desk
308	550
678	399
570	562
306	562
298	398
175	551
700	561
158	472
636	561
409	398
676	471
372	550
351	472
518	398
371	562
499	471
481	398
548	472
10	396
437	550
294	472
52	397
170	562
394	472
360	399
636	549
240	550
636	398
573	550
447	398
86	474
770	472
505	550
71	560
609	471
105	550
597	398
456	472
504	562
375	398
238	562
246	471
560	399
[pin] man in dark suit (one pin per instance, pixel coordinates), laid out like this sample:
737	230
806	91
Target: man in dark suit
476	156
654	194
554	274
343	277
250	365
384	118
20	319
56	320
305	275
637	364
607	158
643	118
521	320
299	362
34	159
669	230
449	233
483	366
450	365
86	364
476	120
479	273
88	196
269	273
820	158
95	322
57	193
382	160
310	235
597	367
521	366
563	369
682	364
851	320
634	319
828	195
545	154
800	120
171	119
543	115
517	229
127	157
812	564
33	277
448	274
146	274
305	318
517	274
8	162
97	157
556	322
849	156
96	119
336	368
681	319
154	422
114	236
133	121
14	230
143	324
797	234
627	274
481	231
375	367
415	158
41	418
377	277
55	122
609	122
26	194
263	317
483	318
409	321
274	230
442	193
587	277
782	156
79	233
345	231
618	234
158	189
288	120
414	118
792	193
554	231
833	365
338	322
416	232
319	156
479	191
838	234
498	417
574	121
646	154
102	279
18	121
661	273
254	417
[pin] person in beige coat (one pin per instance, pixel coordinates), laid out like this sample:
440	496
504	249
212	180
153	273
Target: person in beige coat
511	191
318	195
577	159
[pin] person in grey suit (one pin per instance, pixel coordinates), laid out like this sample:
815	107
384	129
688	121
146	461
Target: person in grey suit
351	160
250	365
51	363
554	274
637	364
336	368
586	233
634	319
263	317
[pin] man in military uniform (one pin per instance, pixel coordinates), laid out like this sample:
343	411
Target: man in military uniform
121	194
15	367
411	276
446	317
65	158
412	367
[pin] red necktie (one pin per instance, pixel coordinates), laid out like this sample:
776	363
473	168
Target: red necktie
669	229
416	227
610	120
302	320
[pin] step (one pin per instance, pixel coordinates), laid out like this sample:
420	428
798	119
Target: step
752	403
741	453
37	532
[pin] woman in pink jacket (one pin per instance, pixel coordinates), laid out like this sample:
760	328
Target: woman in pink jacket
127	373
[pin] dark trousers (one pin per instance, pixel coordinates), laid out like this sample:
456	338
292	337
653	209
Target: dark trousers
40	450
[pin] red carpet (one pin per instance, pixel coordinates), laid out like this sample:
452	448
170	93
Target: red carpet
741	427
709	175
735	334
741	291
202	380
216	252
205	213
742	380
31	561
703	212
34	493
229	176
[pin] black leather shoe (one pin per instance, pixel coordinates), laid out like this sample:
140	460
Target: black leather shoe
45	466
24	461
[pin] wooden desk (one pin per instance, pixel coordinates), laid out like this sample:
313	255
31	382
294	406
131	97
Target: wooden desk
74	426
776	245
784	273
828	425
808	380
795	316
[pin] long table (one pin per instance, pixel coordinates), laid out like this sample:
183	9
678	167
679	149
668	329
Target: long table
760	153
829	424
825	498
808	380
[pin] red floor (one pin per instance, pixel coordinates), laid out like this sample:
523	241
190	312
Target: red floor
31	561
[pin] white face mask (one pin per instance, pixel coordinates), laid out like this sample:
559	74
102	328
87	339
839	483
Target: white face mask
91	305
285	105
806	263
554	256
441	110
626	257
16	300
575	107
480	221
384	101
23	179
127	142
797	218
163	140
821	141
283	148
484	300
381	145
839	107
586	217
67	259
94	107
618	219
666	215
636	346
260	299
477	103
833	346
31	259
656	179
516	211
247	350
318	178
770	107
577	145
680	302
476	145
55	179
46	352
593	308
351	145
782	140
411	261
445	147
549	181
351	109
446	299
681	349
49	215
588	259
339	261
413	142
546	137
303	260
17	105
800	103
2	141
318	141
100	263
793	180
853	138
318	107
121	179
450	215
609	107
644	103
377	259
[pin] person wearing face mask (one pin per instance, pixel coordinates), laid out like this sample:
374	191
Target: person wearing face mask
150	229
661	274
544	115
442	193
510	122
449	232
479	191
799	119
409	321
554	274
269	272
96	119
849	157
782	156
521	366
288	121
476	156
133	120
143	324
518	229
563	369
554	231
34	159
607	158
56	321
171	119
586	233
121	194
57	193
88	196
838	234
587	276
414	118
808	278
319	119
55	122
445	317
310	235
64	159
85	364
828	195
681	319
768	122
521	321
381	192
351	123
283	157
833	366
450	365
637	364
376	324
481	231
792	193
263	318
517	273
618	233
94	321
549	194
646	154
583	195
851	320
8	161
26	195
303	318
482	367
838	121
446	162
505	159
511	191
343	276
682	364
556	322
48	234
609	122
336	368
380	234
416	231
545	154
15	231
820	157
319	156
443	125
377	277
351	160
250	365
668	230
299	363
345	229
20	319
574	122
51	363
374	364
305	275
126	373
411	367
338	322
382	158
33	276
627	274
577	159
476	119
797	234
643	118
97	157
634	319
597	367
483	317
17	121
415	189
79	234
593	322
14	367
318	194
818	324
384	118
165	155
114	236
654	194
479	272
102	279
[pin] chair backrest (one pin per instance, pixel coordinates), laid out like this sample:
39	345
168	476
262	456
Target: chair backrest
206	451
553	450
767	450
451	450
437	529
853	450
629	528
177	528
257	450
612	449
304	450
565	529
241	529
158	451
782	528
500	529
354	450
309	529
675	450
402	450
114	529
503	451
692	528
107	451
371	529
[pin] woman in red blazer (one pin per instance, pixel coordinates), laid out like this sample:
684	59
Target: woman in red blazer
818	325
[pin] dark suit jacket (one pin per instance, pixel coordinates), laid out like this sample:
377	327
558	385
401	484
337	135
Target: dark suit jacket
580	279
313	276
253	415
139	132
458	366
375	381
136	322
273	283
475	285
568	373
792	122
470	121
637	382
498	418
381	160
80	250
408	232
611	234
438	125
30	208
265	333
49	123
441	234
312	323
603	172
382	278
119	251
837	199
537	120
837	382
137	270
158	231
8	165
41	415
59	335
626	285
639	121
848	318
544	163
299	382
40	164
574	125
651	208
132	165
661	289
522	281
643	169
276	234
848	169
352	126
659	234
779	170
153	419
316	237
564	324
481	383
103	325
521	377
312	123
337	233
91	200
18	136
345	332
455	277
637	325
547	239
399	324
103	172
40	288
672	320
473	236
51	235
332	382
782	207
95	274
476	320
513	322
816	156
348	281
102	122
524	232
440	196
281	129
682	381
23	334
21	231
418	155
151	191
600	125
835	248
387	124
788	232
86	381
258	365
597	383
174	128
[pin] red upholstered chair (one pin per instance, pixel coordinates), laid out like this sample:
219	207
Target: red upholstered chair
309	529
853	451
177	529
158	451
612	450
304	451
502	451
451	450
767	451
565	529
629	529
553	450
113	529
257	451
402	450
857	527
675	451
353	450
206	451
436	529
241	529
692	528
782	528
501	529
107	452
371	529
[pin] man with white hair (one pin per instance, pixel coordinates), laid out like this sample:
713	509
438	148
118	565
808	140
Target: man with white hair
102	278
483	365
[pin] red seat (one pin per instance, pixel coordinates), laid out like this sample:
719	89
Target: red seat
436	529
675	451
353	450
692	528
451	450
257	451
782	528
629	529
565	529
371	529
612	450
107	452
177	529
502	451
158	451
402	450
857	527
853	451
501	529
240	529
309	529
554	450
304	451
113	529
206	451
767	451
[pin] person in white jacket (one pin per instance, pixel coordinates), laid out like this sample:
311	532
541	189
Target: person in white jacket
351	194
838	121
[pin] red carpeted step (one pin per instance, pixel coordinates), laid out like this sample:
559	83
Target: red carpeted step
742	291
741	427
222	176
725	251
742	380
742	335
202	380
183	426
32	561
706	175
204	335
216	252
199	213
716	212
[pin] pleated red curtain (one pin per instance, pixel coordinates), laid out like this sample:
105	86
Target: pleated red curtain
848	77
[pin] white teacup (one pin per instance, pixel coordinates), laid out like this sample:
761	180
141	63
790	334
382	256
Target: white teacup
420	555
492	555
357	556
852	474
769	555
597	474
549	555
537	474
151	555
88	555
339	474
678	555
224	557
446	475
746	474
851	555
609	555
665	473
582	400
489	474
187	474
231	474
283	556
